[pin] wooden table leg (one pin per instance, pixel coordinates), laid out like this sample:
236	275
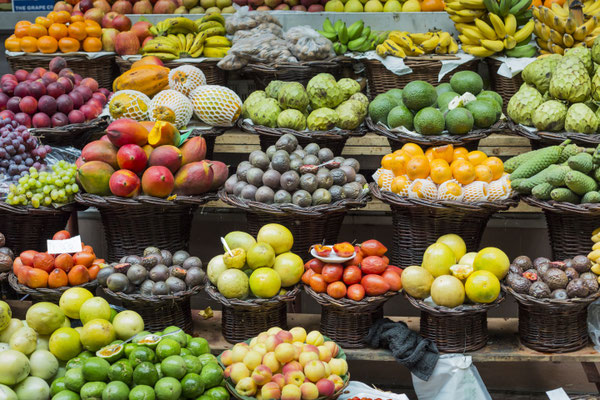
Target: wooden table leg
592	373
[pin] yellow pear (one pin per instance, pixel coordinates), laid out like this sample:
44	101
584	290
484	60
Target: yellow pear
334	6
373	6
410	6
353	6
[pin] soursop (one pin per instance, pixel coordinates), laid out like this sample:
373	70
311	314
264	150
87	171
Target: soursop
322	119
348	87
293	95
350	114
570	81
251	101
272	89
550	116
596	51
292	119
539	72
265	112
523	104
581	119
585	56
324	91
596	86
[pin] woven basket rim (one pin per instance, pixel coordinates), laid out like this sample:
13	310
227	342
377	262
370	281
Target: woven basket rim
528	300
71	129
435	140
39	292
214	131
349	305
300	65
563	207
555	137
154	299
252	303
394	199
204	61
292	209
462	310
332	134
425	61
66	56
23	210
93	200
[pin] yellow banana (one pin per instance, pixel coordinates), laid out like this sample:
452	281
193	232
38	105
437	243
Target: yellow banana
430	44
559	11
535	11
556	37
198	44
473	33
589	40
548	16
394	48
207	25
556	49
542	44
487	30
544	33
445	39
473	4
467	40
459	19
419	38
453	46
583	30
493	45
478	51
510	42
219	31
592	8
215	52
568	40
155	47
559	25
381	51
510	24
524	32
441	49
570	26
217	41
498	25
470	13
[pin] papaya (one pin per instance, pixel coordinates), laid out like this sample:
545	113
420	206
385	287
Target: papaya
148	79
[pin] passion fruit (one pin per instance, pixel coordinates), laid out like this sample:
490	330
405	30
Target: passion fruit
175	285
180	256
137	274
117	282
194	277
159	273
167	257
192	262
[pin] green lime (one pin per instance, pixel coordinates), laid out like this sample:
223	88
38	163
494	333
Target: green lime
66	395
121	371
95	369
116	390
159	370
145	374
192	364
84	355
173	366
92	390
141	354
129	347
74	379
188	337
206	358
58	385
175	333
218	393
211	375
112	352
113	314
140	336
168	388
191	386
142	392
167	347
199	346
205	397
74	363
185	352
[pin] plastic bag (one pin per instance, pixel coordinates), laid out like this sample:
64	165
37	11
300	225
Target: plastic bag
262	47
262	28
307	44
454	377
593	322
244	19
360	390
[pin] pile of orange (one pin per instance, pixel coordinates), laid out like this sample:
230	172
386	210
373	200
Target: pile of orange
59	31
440	164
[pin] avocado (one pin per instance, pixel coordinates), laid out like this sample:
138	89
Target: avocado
466	81
445	98
380	107
429	121
484	113
443	88
400	116
395	95
459	121
417	95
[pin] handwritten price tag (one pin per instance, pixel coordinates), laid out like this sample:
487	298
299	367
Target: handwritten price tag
72	245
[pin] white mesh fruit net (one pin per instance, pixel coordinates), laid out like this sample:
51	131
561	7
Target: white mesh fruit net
174	101
186	78
384	178
400	185
423	189
476	191
216	105
499	189
129	104
450	190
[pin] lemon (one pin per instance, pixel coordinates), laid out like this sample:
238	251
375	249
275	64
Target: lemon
373	6
411	6
492	259
456	243
72	299
482	287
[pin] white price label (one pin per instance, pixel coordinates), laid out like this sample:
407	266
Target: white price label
557	394
72	245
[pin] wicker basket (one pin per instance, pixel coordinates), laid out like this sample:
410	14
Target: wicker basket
425	69
46	294
551	325
308	225
244	319
418	222
505	87
103	69
302	72
27	228
210	136
335	139
346	321
131	225
567	224
214	75
455	330
6	291
76	135
159	311
541	139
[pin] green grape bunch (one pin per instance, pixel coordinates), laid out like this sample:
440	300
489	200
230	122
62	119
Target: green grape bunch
45	188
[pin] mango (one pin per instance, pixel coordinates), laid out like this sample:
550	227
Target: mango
148	125
157	181
99	150
220	174
94	176
194	178
166	156
194	149
127	131
124	183
79	162
163	133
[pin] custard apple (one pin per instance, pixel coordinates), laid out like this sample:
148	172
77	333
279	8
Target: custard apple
596	51
292	119
539	72
324	91
570	81
348	87
362	98
351	114
550	116
322	119
251	101
293	95
581	119
523	104
265	112
596	86
272	89
585	56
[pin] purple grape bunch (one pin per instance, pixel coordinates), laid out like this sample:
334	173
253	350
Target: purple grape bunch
19	150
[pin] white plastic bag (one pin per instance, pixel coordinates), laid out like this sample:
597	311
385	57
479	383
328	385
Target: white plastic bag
360	390
593	322
454	377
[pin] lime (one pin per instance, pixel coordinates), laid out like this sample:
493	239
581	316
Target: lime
192	364
191	386
159	370
112	352
113	314
141	354
173	366
121	371
84	355
128	348
92	390
64	343
74	363
168	389
205	397
66	395
218	393
95	369
58	385
167	347
142	392
188	338
184	352
206	358
177	334
145	374
211	375
116	390
74	379
198	346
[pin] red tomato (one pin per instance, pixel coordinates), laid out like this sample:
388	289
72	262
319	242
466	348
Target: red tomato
352	275
318	284
374	285
397	270
332	272
61	235
337	290
373	248
307	275
373	265
392	279
356	292
315	264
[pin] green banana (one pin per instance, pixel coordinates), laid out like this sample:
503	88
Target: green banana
527	50
355	30
525	41
492	6
328	26
328	35
367	45
338	25
504	7
343	34
366	31
339	48
519	7
356	44
524	17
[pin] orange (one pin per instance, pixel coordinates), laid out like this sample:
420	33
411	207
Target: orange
496	165
432	5
58	31
463	172
440	171
52	16
36	30
22	23
21	31
417	168
413	149
68	45
92	28
47	44
92	44
399	184
382	180
77	18
29	44
12	43
548	3
386	161
476	157
460	152
444	152
77	30
45	22
429	154
62	17
536	3
483	173
399	163
453	188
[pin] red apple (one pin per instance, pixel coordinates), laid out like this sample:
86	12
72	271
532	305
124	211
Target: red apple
107	20
102	4
140	29
127	43
121	23
95	14
122	7
142	7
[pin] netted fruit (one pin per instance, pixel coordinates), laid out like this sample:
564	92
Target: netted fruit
186	78
423	189
384	178
129	104
499	189
476	191
450	190
216	105
171	106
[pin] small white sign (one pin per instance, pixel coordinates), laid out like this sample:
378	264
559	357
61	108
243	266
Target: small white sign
72	245
557	394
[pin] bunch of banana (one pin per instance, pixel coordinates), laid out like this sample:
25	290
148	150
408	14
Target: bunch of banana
213	24
356	37
556	29
216	46
402	44
173	26
171	47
